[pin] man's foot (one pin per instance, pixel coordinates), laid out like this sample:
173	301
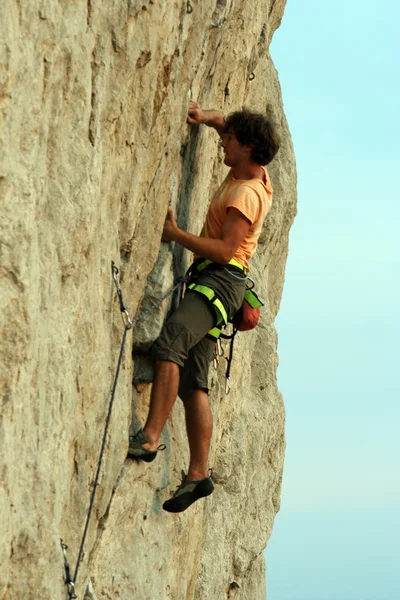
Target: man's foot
187	493
136	449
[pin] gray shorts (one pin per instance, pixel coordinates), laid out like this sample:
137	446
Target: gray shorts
183	338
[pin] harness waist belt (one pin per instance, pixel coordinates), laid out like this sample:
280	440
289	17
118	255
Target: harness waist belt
200	264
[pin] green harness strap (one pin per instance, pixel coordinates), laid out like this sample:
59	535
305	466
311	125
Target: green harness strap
252	299
214	333
215	302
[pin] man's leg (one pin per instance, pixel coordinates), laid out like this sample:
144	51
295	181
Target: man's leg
163	395
199	430
196	484
189	324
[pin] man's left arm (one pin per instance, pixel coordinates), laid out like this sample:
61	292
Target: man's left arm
235	229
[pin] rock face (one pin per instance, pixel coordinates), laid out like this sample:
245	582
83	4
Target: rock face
94	143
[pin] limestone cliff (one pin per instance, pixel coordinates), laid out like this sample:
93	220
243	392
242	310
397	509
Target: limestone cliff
94	143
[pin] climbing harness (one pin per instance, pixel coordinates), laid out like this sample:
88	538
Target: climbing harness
244	319
200	265
129	323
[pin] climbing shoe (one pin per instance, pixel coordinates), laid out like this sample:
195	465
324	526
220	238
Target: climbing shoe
187	493
136	449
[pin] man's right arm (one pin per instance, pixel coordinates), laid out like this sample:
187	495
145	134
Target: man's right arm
211	118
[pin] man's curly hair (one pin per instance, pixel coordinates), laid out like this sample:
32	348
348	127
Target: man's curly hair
255	129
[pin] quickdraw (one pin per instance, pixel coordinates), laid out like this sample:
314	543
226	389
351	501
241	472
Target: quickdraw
125	315
68	581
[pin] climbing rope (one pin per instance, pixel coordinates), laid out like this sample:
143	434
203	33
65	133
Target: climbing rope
180	281
129	323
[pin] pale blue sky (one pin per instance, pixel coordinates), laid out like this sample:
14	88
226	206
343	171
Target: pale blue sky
337	535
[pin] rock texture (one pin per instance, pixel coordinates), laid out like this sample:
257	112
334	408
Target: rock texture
94	143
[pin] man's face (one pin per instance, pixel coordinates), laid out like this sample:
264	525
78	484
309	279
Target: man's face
235	152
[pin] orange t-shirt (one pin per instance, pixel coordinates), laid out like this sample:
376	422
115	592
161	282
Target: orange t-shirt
253	198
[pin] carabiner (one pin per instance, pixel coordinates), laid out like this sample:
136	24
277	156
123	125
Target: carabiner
115	273
125	315
126	319
71	589
252	281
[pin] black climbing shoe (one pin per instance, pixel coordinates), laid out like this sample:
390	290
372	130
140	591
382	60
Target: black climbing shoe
187	493
136	449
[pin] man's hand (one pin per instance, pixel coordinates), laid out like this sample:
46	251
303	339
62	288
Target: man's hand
196	115
234	230
170	227
211	118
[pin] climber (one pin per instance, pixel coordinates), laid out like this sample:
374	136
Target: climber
184	350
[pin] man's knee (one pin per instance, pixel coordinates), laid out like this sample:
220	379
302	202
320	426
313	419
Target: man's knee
166	365
198	392
191	380
189	395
